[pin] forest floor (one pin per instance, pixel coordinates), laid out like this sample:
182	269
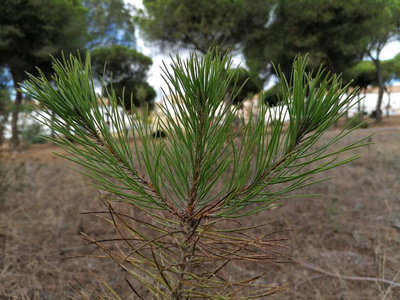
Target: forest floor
345	243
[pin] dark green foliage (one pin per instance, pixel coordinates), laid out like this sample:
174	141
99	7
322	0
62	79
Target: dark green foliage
391	69
335	33
122	63
386	26
138	93
363	74
274	94
29	31
358	122
244	83
5	108
200	25
126	72
31	134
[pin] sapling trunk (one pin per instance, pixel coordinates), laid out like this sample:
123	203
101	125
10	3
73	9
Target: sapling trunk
185	252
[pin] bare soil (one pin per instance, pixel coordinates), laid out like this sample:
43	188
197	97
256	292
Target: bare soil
345	243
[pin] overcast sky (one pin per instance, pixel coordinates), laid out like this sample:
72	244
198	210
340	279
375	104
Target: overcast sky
158	57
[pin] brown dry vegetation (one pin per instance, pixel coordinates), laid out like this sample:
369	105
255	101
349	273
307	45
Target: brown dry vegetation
353	229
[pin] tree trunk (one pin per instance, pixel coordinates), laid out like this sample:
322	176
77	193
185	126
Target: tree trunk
363	104
378	110
388	105
15	111
2	127
332	70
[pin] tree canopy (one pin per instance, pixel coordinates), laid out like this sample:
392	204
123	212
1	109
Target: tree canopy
200	25
391	69
249	84
109	23
334	33
363	74
126	71
29	31
385	26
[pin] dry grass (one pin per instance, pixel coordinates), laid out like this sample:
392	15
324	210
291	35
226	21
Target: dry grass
352	230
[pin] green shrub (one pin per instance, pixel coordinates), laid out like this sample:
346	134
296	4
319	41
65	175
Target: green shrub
357	122
31	134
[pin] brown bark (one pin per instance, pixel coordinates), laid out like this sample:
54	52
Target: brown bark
332	70
381	87
15	111
388	105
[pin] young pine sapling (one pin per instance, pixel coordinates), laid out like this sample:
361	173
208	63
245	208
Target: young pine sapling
194	187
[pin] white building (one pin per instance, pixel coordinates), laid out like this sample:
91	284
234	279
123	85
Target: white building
390	101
